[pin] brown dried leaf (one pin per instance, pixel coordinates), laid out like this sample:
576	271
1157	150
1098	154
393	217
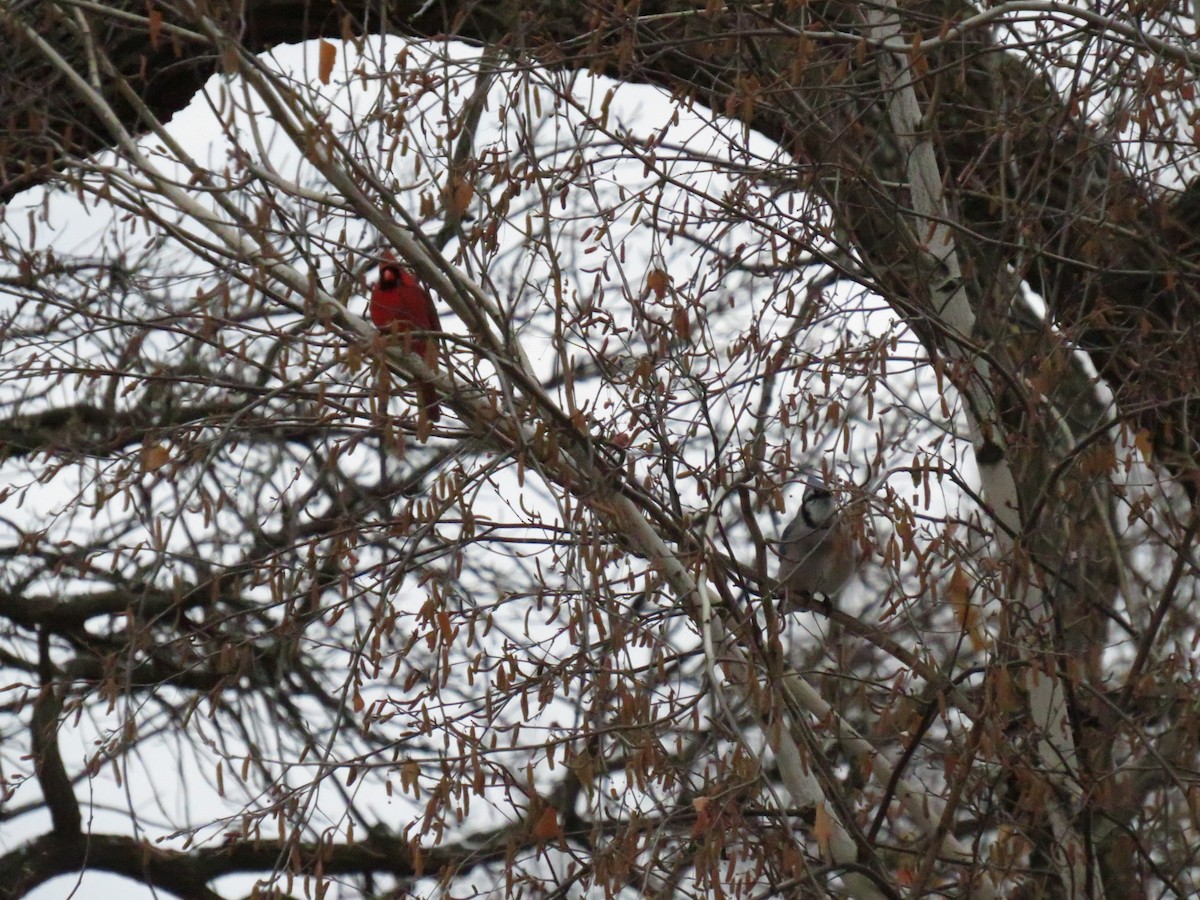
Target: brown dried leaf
958	593
155	18
327	56
706	815
823	828
460	197
683	325
1144	444
547	827
658	281
1098	460
154	457
409	774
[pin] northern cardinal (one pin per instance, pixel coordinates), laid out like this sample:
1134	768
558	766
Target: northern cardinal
401	305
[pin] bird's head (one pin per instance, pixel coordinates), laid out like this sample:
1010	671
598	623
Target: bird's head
817	506
392	274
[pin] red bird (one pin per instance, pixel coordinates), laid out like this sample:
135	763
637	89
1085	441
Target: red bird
401	305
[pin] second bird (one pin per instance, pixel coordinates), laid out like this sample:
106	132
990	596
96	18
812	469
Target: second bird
817	553
401	305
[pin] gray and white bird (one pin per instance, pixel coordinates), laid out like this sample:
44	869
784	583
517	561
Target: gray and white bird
818	552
